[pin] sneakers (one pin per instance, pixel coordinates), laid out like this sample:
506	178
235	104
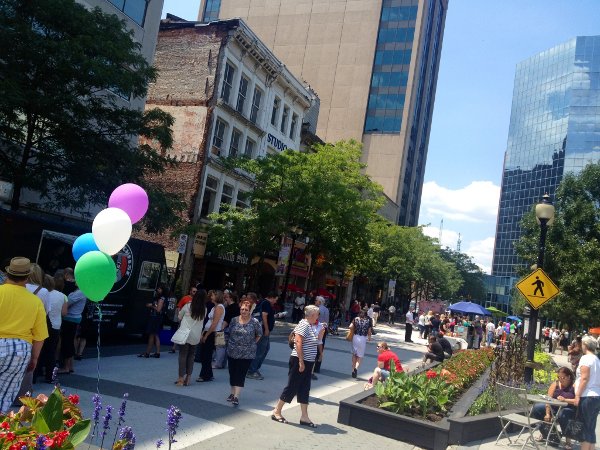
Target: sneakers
255	376
230	398
354	373
235	401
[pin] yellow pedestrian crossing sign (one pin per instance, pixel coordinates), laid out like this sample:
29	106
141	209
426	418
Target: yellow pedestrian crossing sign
537	288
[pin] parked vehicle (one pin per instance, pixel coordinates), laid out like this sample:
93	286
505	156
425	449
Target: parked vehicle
140	265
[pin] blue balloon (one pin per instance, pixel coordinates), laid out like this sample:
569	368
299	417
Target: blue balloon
84	244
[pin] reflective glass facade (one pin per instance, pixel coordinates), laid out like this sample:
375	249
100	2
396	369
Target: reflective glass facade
391	66
211	10
554	129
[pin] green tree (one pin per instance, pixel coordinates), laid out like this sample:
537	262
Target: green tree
572	257
324	192
472	276
66	129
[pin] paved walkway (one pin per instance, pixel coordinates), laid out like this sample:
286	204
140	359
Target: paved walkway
210	422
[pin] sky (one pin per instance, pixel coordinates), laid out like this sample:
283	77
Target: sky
483	42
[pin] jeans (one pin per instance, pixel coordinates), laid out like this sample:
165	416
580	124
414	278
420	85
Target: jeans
490	337
589	407
539	411
262	348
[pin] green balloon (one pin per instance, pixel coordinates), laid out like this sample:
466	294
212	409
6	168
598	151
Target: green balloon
95	274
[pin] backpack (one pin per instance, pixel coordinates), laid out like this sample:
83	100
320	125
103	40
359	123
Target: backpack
292	339
257	313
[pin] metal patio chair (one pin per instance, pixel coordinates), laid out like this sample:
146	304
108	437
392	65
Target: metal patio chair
513	408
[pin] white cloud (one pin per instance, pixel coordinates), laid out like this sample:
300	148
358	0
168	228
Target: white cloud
477	202
482	252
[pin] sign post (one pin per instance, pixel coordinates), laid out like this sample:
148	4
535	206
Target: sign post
537	288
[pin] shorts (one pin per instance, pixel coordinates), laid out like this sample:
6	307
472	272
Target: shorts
384	374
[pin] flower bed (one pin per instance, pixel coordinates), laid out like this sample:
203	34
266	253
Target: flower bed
429	394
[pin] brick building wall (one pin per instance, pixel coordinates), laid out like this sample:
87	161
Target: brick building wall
187	60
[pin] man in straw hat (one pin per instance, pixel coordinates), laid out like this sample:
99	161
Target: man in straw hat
22	330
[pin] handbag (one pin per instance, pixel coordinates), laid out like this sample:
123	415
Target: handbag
292	340
220	339
181	335
350	333
574	428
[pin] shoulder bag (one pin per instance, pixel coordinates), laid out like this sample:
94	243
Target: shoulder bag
574	428
181	335
350	333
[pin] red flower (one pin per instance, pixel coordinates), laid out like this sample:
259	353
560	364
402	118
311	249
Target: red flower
49	442
69	423
10	436
74	398
431	374
5	425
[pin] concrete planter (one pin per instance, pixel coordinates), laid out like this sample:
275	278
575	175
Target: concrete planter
456	428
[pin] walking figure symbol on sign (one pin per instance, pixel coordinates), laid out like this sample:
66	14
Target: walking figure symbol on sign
539	286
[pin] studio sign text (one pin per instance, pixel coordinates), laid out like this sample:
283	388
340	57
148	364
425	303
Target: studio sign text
276	142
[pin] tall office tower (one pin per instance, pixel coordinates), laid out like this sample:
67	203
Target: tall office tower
554	129
374	65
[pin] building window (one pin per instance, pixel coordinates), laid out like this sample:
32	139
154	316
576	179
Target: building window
250	146
227	82
234	145
293	125
211	10
226	196
242	92
218	136
242	200
255	105
209	197
134	9
284	118
275	111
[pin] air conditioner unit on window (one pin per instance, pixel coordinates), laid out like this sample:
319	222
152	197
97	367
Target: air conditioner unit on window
215	150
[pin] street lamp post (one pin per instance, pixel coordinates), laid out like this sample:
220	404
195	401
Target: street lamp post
544	213
296	232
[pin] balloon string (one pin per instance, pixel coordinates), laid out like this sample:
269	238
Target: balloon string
99	310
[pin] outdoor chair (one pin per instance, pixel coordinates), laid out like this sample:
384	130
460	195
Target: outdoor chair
513	408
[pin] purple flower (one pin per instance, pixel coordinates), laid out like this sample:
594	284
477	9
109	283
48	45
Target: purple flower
159	443
122	409
55	375
107	419
40	442
97	401
128	436
173	417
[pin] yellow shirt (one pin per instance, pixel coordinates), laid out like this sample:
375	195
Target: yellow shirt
22	314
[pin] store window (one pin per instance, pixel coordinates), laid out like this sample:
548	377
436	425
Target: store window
250	146
218	136
209	197
275	111
227	86
226	196
255	105
149	276
234	145
242	92
284	119
293	126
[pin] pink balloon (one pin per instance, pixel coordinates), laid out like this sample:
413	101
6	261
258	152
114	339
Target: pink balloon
132	199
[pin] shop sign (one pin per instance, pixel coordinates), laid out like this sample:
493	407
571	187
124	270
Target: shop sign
200	244
276	143
300	259
232	258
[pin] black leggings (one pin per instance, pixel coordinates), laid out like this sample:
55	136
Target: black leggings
238	368
206	354
298	382
67	340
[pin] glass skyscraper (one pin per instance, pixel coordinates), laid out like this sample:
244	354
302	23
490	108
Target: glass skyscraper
554	129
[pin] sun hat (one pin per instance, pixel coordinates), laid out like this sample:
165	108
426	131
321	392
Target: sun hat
19	266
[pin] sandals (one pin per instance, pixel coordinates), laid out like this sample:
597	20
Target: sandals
307	424
144	355
279	419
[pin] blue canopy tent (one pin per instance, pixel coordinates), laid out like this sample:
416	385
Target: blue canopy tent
514	318
469	308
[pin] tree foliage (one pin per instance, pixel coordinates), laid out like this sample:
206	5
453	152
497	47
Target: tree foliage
66	129
471	274
572	257
324	192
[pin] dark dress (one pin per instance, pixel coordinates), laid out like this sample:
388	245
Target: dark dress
155	321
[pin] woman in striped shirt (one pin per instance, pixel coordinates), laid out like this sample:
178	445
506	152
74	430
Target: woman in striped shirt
301	364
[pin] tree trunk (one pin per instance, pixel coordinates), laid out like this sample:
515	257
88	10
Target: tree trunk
20	172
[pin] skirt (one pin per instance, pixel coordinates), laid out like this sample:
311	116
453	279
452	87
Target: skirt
154	325
359	343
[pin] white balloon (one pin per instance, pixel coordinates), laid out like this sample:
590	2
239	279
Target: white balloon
111	230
